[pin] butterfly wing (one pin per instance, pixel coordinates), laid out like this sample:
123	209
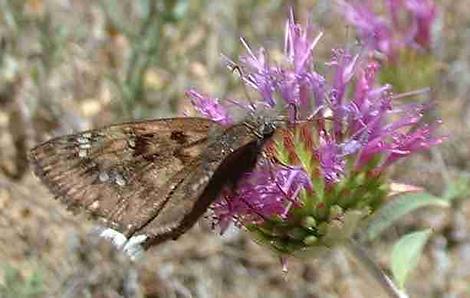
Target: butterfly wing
125	173
228	156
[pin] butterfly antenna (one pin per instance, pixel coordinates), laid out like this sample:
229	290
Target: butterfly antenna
237	68
310	118
234	67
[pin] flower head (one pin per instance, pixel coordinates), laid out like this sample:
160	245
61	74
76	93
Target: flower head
424	13
407	24
373	30
326	170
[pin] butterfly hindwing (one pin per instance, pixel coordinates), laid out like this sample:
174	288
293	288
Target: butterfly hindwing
122	173
227	157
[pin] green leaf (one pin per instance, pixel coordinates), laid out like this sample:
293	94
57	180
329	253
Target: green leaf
399	207
458	188
16	285
406	253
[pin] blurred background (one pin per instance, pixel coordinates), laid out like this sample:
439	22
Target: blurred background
69	65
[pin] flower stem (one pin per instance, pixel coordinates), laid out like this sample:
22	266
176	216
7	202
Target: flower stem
385	282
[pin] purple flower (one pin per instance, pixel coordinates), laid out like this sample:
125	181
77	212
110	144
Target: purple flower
424	13
260	75
331	161
209	107
353	130
294	85
344	66
298	46
404	144
271	190
373	30
408	23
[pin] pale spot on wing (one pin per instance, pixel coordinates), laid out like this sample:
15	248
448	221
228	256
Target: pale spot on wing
131	143
95	205
103	176
84	144
119	179
82	153
83	140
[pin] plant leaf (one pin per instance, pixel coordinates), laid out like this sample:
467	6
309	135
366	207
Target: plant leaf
458	188
399	207
406	253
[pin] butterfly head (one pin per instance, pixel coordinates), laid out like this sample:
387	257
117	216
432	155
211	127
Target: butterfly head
267	129
262	126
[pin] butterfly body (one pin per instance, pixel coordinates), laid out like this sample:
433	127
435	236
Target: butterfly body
153	178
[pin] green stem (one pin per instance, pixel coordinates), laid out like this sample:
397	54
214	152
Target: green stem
384	281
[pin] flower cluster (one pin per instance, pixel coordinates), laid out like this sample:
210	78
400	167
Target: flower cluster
408	24
327	168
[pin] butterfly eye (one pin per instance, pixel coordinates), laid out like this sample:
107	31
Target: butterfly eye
267	129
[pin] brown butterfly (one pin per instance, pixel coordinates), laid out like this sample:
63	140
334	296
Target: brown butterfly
149	180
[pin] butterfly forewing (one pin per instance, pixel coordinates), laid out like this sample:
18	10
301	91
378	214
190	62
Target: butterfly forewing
151	179
122	173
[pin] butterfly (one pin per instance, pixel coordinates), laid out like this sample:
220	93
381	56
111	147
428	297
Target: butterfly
149	181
